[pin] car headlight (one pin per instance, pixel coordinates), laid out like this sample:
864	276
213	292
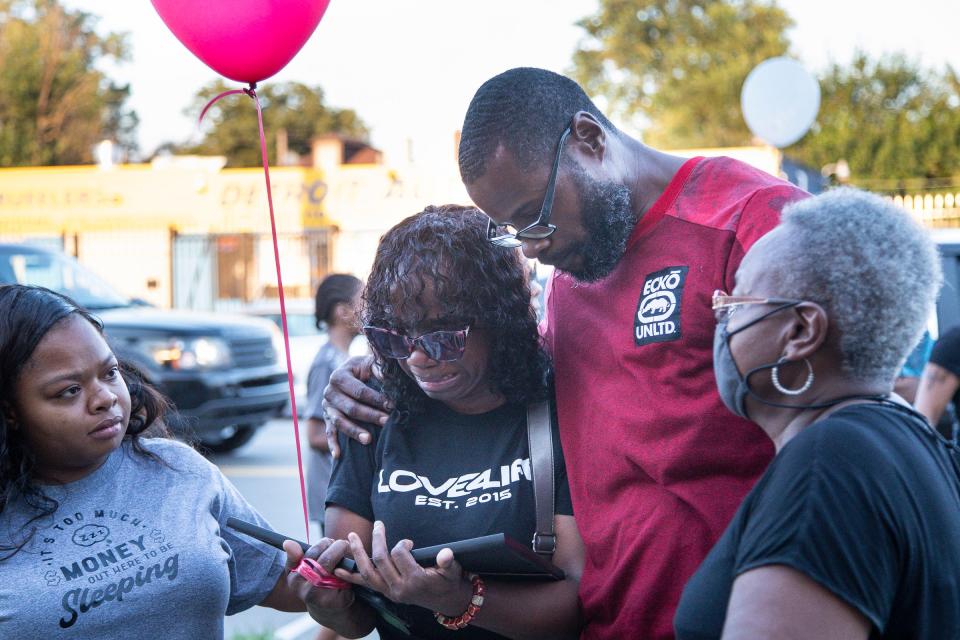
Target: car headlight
185	354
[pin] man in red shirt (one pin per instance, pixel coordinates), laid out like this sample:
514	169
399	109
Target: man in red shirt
641	239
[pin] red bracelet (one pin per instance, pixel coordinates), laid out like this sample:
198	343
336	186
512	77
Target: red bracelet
476	601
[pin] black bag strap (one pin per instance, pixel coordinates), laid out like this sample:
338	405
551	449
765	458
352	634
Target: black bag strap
540	439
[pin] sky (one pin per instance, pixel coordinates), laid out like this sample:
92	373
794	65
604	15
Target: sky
410	67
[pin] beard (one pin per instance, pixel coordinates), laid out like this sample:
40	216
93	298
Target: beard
608	218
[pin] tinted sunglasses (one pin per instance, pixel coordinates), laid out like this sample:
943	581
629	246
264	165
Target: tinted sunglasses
442	346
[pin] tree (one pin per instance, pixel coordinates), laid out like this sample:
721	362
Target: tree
679	64
890	119
55	105
293	107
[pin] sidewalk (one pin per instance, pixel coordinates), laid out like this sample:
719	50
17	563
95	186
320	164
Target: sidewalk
302	627
305	628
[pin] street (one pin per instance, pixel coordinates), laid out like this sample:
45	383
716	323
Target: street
265	472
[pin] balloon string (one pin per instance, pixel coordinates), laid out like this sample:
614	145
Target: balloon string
252	92
217	98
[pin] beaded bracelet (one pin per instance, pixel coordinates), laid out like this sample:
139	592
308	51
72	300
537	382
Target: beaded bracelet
476	601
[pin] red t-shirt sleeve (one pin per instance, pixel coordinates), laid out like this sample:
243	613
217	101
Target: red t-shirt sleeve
759	217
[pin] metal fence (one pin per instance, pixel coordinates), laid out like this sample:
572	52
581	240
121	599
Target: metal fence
229	271
936	210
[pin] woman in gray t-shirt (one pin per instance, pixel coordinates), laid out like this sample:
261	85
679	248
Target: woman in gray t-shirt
106	532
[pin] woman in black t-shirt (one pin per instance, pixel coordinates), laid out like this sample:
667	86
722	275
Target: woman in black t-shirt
938	394
852	531
449	316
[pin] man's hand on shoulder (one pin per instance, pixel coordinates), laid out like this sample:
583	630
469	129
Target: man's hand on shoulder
347	401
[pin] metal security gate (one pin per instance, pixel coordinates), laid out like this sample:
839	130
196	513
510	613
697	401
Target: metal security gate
217	272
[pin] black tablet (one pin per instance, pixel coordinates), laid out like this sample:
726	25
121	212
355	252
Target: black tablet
497	555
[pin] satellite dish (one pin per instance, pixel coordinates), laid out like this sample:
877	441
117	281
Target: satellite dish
780	100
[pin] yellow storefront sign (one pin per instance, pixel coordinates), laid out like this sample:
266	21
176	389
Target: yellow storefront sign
49	200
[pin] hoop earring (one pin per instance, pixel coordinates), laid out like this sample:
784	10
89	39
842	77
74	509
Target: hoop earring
775	378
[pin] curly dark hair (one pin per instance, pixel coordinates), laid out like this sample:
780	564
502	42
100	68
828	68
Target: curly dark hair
27	314
477	284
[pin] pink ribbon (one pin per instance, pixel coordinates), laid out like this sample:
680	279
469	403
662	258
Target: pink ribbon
311	571
252	92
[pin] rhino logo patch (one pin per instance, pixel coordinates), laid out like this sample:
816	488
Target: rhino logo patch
658	311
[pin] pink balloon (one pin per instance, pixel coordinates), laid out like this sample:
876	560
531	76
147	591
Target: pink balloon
244	40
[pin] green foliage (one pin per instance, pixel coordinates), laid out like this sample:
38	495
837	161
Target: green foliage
889	119
294	107
679	66
679	63
55	104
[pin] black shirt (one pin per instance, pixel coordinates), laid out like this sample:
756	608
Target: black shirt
946	353
442	476
866	503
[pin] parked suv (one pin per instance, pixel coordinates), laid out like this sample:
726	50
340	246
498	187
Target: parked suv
222	372
948	304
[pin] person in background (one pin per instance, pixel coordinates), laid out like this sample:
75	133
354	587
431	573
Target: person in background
939	389
852	530
537	294
336	311
909	378
107	528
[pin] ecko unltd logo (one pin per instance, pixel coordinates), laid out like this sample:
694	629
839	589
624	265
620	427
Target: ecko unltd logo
658	311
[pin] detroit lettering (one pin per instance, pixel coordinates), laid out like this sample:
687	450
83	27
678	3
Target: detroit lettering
468	490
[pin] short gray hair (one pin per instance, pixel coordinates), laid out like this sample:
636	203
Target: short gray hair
871	266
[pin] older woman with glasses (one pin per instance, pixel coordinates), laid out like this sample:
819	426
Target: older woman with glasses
449	318
852	531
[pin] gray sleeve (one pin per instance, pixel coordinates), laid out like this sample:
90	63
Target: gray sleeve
254	567
317	380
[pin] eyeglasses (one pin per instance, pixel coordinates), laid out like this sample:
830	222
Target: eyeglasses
724	305
442	346
507	235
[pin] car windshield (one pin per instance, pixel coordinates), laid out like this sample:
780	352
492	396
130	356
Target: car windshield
61	274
